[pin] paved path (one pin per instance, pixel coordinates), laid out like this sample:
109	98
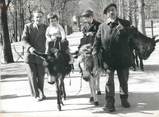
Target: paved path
16	101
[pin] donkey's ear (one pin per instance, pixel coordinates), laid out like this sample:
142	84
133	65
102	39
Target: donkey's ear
155	36
156	41
133	27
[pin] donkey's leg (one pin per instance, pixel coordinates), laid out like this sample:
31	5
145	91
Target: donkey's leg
136	59
63	88
97	79
58	94
93	89
91	92
141	64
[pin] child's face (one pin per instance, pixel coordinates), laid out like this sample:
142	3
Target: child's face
37	18
53	21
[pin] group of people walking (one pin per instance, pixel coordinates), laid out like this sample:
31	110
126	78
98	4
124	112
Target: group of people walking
103	36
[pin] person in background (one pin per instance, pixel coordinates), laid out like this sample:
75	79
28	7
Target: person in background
34	39
112	38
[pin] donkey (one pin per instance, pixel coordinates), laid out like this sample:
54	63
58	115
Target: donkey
143	45
58	67
88	71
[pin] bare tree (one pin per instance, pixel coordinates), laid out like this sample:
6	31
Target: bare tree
98	7
21	17
52	3
14	15
121	9
134	14
8	57
141	16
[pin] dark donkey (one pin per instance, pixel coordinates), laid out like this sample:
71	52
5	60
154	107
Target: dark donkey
143	45
58	67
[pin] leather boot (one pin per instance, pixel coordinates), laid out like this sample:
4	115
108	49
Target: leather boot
124	101
109	104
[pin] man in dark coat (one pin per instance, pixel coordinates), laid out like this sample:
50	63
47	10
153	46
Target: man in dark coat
112	38
34	40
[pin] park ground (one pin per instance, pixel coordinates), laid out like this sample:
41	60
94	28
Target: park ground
15	99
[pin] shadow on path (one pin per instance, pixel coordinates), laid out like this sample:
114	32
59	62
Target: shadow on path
12	96
140	102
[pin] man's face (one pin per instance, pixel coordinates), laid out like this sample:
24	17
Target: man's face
87	19
37	18
111	13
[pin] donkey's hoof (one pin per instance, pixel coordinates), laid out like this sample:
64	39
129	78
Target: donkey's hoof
142	69
91	99
96	103
62	103
59	107
99	93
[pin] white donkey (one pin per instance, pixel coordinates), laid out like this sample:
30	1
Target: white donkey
86	64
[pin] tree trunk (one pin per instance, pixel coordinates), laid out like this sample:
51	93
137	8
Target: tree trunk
121	9
15	22
141	15
21	18
129	15
8	57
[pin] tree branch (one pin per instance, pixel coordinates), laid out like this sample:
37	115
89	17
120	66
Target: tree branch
9	1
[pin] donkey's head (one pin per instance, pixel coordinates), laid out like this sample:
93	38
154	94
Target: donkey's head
143	44
86	61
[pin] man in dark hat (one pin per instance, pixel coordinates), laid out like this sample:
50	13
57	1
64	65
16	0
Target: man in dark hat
112	38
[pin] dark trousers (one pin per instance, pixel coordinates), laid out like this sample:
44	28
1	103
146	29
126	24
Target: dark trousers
36	78
123	75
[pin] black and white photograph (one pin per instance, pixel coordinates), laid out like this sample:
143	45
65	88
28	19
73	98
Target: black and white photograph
79	58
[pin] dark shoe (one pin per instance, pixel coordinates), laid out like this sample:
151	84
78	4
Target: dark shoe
109	109
43	97
51	82
96	103
91	99
38	99
110	104
51	79
125	103
142	68
75	57
99	93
